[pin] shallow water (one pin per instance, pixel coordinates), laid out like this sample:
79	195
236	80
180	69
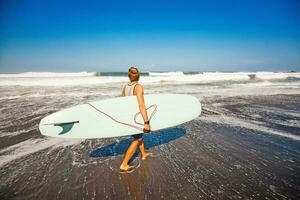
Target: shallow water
246	144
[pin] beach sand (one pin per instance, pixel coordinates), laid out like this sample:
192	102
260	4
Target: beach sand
241	147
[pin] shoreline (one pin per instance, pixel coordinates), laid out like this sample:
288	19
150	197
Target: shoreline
211	158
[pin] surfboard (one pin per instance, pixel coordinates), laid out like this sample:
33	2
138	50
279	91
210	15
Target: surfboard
120	116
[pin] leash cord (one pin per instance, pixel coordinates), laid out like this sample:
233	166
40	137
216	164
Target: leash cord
135	116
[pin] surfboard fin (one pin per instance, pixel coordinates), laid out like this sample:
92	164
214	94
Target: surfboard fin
66	126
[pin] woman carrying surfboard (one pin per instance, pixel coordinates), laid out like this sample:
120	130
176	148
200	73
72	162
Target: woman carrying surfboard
130	89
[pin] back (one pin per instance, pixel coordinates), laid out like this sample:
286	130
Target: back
129	89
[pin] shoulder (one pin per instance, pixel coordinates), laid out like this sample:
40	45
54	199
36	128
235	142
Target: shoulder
138	86
138	89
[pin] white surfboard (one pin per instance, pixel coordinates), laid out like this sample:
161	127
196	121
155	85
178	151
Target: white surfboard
120	116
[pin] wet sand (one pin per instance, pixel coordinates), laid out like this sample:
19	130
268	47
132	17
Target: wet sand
242	147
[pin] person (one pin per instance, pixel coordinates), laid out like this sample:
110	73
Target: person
134	88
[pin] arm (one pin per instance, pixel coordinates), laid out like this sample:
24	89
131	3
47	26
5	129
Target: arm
123	92
139	92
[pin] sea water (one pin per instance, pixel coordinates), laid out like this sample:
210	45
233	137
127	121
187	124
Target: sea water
26	97
258	107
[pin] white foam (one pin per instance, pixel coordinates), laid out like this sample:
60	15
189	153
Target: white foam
166	74
68	94
47	74
236	122
10	134
31	146
60	81
75	79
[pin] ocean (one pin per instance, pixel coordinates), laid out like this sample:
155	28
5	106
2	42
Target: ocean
245	144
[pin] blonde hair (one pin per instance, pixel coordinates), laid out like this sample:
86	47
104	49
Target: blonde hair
133	74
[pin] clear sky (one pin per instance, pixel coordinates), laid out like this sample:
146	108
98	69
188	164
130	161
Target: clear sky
154	35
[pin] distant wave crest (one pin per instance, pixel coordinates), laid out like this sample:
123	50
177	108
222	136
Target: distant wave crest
166	73
93	78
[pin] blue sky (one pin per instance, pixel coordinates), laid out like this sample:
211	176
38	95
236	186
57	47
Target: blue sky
231	35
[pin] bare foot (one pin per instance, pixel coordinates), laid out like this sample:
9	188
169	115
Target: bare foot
126	169
146	155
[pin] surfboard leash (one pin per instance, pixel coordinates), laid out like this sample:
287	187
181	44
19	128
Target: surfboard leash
124	123
152	114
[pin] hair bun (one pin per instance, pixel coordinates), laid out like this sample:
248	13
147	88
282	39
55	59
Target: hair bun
133	74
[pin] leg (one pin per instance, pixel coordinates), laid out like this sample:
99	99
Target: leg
130	151
142	149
